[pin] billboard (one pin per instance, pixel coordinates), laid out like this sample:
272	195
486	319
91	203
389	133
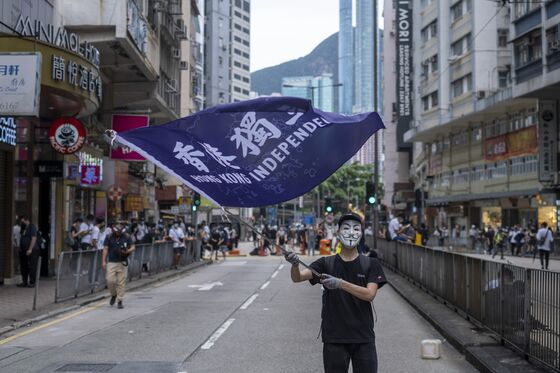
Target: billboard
404	71
126	122
20	84
547	145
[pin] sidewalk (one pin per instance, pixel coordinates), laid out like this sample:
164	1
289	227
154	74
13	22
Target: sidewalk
16	303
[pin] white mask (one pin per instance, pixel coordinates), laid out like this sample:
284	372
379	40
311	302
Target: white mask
349	233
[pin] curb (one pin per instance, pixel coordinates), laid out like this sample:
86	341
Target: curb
162	276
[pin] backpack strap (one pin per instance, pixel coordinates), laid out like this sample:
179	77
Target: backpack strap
329	263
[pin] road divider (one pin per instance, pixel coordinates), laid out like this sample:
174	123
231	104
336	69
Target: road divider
248	302
217	334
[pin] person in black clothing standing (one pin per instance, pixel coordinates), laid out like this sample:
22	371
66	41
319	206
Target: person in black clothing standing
116	249
28	252
351	282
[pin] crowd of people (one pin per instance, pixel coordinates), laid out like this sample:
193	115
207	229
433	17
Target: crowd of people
520	241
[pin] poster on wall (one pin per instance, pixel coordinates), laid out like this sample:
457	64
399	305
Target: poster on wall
20	84
123	123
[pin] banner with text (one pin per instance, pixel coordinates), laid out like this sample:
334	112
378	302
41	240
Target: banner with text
257	152
20	83
404	72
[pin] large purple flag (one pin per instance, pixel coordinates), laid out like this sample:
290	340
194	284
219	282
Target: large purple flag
254	153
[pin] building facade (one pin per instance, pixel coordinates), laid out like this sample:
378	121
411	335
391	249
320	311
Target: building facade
227	51
95	63
485	108
346	57
318	89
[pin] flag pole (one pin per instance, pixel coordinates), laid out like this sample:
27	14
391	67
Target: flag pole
284	251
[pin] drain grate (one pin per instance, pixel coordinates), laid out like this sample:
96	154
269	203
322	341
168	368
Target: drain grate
86	368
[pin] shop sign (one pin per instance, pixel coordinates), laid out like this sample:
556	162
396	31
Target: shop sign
495	148
125	122
8	131
137	27
522	142
90	169
134	202
57	36
404	71
67	135
436	164
20	77
90	175
548	121
76	75
47	169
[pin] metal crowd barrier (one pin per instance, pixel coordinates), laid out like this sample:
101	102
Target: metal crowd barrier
80	272
519	305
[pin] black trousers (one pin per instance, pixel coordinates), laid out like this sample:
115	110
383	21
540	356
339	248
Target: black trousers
544	257
28	266
337	357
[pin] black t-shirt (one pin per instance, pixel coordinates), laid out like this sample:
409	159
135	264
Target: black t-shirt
115	245
345	318
27	234
215	237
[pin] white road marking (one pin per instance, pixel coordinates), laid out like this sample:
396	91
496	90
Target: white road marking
207	286
221	330
274	274
281	266
249	301
265	285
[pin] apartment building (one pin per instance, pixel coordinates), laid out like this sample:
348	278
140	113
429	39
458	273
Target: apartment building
227	51
478	113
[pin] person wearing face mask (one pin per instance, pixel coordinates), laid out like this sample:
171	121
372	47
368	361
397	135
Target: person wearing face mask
116	249
351	282
178	237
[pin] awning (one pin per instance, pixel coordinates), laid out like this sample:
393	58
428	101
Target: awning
474	197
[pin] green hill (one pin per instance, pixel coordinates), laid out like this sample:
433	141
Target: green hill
323	59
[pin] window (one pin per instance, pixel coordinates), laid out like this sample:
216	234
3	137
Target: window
461	86
430	65
425	3
238	3
237	14
461	176
503	35
245	92
528	49
246	67
237	89
246	19
246	6
553	40
429	31
460	9
237	51
477	173
523	7
246	55
237	26
461	46
461	138
430	101
237	64
237	39
246	43
524	165
237	76
246	30
476	134
504	77
246	80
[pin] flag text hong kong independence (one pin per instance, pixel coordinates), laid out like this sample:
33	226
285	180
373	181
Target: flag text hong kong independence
254	153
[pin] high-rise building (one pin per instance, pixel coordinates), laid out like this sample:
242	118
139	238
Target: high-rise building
192	57
227	51
346	58
318	89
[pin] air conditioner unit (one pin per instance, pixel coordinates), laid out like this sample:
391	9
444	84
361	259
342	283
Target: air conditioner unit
180	24
184	65
224	48
182	34
433	59
480	95
176	52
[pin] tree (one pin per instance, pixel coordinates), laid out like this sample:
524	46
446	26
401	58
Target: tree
347	184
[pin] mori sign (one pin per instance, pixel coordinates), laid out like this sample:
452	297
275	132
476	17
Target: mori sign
67	135
20	84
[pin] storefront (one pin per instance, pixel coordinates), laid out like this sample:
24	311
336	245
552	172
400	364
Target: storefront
48	83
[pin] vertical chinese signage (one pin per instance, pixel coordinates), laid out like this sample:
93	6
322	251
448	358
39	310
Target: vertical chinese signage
548	148
123	123
404	71
20	83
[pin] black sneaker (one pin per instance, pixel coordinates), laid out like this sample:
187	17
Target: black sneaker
113	299
120	305
22	285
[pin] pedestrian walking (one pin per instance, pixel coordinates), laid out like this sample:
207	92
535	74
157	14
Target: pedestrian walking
473	234
16	239
28	252
351	282
116	249
500	238
545	241
177	235
216	240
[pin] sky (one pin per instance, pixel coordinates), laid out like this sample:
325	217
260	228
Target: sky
282	30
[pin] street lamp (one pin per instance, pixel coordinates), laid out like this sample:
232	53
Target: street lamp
312	88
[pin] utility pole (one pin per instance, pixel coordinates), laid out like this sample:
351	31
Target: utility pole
375	138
